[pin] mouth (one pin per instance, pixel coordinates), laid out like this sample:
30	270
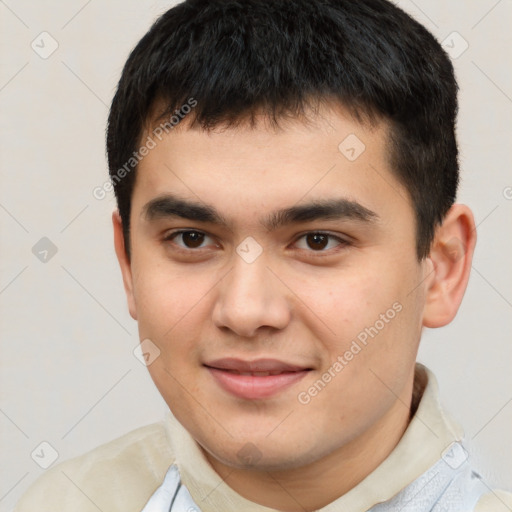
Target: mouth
255	380
253	374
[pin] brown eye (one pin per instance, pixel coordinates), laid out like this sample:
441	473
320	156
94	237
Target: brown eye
188	239
320	242
317	241
192	239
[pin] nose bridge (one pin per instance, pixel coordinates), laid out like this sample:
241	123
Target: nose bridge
249	298
248	285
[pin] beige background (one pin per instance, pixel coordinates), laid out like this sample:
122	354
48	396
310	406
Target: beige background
68	374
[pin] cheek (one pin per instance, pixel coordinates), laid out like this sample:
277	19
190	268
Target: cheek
171	313
346	303
166	297
372	317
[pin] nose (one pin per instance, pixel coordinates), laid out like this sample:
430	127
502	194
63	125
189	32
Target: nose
251	298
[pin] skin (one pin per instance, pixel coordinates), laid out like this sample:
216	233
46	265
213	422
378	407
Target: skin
295	302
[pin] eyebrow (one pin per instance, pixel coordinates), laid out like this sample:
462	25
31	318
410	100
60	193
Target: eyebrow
170	206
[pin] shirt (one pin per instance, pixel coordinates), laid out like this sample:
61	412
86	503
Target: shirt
124	474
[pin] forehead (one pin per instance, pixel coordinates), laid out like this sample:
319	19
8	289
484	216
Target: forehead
248	168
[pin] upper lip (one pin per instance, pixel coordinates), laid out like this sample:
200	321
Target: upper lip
257	365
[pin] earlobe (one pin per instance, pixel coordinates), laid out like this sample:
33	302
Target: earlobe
451	256
124	263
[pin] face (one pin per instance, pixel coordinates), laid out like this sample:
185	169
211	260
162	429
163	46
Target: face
276	272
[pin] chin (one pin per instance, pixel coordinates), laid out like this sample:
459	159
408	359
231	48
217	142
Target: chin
263	454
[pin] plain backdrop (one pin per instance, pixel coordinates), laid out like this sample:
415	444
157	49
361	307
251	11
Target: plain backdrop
68	373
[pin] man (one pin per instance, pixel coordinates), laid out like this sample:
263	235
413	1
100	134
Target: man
285	173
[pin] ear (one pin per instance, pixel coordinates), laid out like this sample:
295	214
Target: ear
124	263
451	256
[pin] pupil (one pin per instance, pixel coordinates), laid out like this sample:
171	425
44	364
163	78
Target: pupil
193	238
317	241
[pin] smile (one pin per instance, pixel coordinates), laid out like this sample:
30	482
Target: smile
255	380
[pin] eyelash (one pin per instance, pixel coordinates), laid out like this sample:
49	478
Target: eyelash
343	243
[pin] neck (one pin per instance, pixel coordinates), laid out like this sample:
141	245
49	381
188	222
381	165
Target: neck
319	483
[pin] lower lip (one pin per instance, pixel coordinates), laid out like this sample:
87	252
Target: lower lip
250	387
